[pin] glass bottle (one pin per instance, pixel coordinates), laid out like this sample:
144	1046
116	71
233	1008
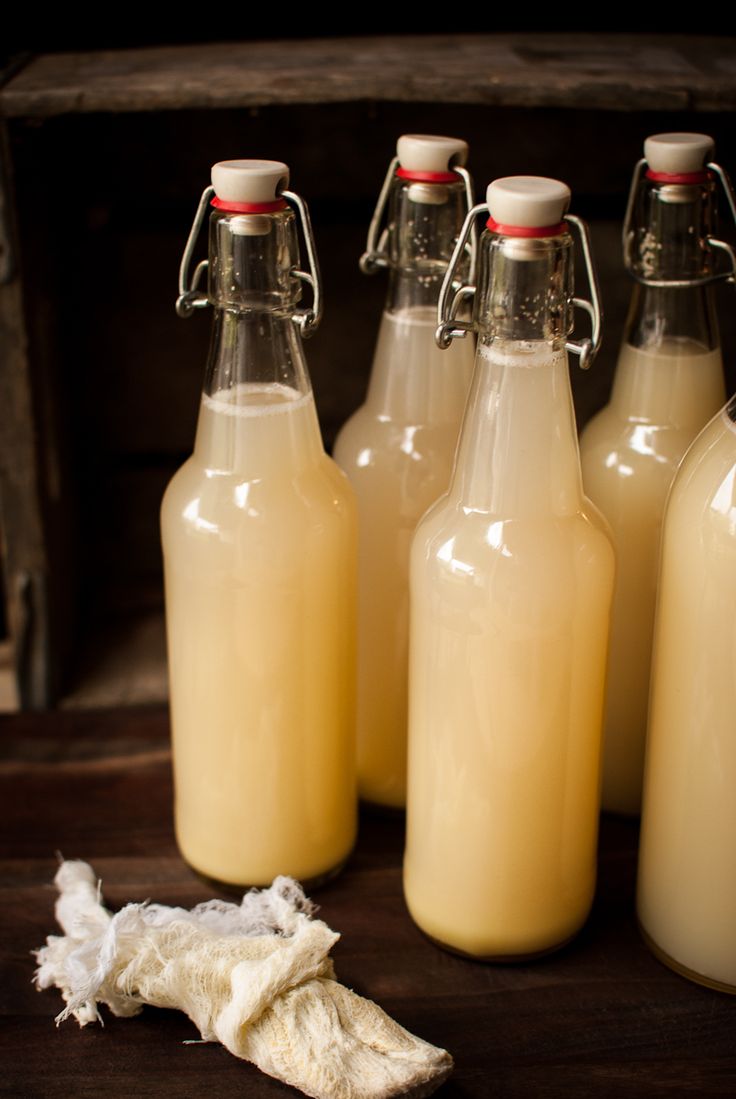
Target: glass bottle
397	448
687	865
511	583
668	384
259	539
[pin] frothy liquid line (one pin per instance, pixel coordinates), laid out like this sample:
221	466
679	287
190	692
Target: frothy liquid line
255	399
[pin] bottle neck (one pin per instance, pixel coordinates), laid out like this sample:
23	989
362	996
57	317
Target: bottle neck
661	315
257	414
412	381
257	418
258	349
525	288
669	370
424	222
670	230
518	454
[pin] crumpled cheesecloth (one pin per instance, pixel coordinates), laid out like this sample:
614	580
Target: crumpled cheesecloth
256	977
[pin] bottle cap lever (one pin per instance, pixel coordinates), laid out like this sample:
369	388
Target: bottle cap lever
678	155
422	153
451	297
250	182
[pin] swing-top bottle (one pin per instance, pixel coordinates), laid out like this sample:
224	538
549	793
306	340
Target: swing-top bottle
686	896
511	582
668	384
397	449
259	541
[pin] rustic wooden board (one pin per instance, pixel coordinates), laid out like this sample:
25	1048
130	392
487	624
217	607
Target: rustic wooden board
610	72
601	1017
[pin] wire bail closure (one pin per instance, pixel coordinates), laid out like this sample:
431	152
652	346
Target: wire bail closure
452	296
191	297
375	256
713	242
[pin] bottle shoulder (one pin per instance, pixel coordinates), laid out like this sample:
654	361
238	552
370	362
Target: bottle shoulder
368	440
518	570
492	535
704	491
612	448
212	503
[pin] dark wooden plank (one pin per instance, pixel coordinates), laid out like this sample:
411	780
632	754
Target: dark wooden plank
601	1017
610	72
25	558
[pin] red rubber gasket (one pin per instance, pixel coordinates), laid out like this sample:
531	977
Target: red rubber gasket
428	177
526	230
248	207
678	177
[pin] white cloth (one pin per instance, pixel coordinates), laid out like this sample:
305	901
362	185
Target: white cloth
256	977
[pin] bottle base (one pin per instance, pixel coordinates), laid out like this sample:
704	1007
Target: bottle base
682	970
498	959
236	889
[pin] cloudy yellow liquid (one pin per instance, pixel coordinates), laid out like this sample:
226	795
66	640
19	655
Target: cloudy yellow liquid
630	452
397	450
259	536
687	869
512	576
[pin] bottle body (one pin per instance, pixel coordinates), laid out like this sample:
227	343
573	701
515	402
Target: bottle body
511	582
258	532
686	890
259	539
668	385
397	450
664	392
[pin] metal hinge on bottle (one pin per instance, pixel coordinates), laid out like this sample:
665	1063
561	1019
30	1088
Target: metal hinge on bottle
452	296
375	256
728	275
191	297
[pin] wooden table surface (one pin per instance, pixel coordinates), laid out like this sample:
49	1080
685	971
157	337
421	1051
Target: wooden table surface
601	1017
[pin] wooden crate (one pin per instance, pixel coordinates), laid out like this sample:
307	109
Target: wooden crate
105	155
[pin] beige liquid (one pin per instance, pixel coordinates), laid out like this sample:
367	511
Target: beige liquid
630	452
258	532
687	868
397	450
512	575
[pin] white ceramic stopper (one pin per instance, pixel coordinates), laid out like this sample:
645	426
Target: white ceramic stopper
529	202
430	153
249	180
677	154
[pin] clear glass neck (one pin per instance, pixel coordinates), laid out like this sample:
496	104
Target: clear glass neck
669	369
252	259
254	293
424	222
257	416
518	455
670	226
525	288
660	315
258	348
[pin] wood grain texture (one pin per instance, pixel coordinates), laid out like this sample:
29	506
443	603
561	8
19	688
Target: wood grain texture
610	72
24	548
601	1017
